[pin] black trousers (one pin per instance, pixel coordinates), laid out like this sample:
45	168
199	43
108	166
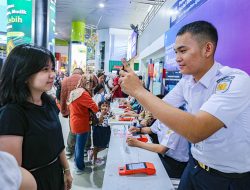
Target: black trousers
196	178
173	167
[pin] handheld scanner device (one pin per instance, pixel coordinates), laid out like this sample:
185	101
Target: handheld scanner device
138	168
142	138
124	61
123	68
139	136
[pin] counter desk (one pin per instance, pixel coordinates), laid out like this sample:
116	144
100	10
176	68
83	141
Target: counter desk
120	153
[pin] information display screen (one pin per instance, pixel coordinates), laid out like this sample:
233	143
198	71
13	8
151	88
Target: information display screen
132	46
136	166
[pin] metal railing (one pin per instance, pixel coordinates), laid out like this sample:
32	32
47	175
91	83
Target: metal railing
157	4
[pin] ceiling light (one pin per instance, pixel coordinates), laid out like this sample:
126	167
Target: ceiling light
101	5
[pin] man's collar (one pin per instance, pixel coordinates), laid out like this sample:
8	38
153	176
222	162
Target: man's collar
210	74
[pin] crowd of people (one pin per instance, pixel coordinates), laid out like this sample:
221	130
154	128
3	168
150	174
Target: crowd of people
35	132
200	129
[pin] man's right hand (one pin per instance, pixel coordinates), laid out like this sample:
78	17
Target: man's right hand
130	82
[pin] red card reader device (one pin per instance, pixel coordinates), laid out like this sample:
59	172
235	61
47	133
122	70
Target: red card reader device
138	168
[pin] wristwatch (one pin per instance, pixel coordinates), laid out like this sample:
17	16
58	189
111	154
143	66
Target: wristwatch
140	129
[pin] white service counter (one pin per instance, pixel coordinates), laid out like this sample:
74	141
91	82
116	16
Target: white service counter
120	153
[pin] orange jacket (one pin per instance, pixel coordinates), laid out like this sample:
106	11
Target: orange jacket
79	113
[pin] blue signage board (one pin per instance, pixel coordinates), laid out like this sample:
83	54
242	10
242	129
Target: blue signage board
230	18
183	7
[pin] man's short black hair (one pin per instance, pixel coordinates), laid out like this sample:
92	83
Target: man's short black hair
201	29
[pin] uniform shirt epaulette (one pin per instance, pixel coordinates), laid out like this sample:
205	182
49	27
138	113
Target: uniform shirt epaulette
225	78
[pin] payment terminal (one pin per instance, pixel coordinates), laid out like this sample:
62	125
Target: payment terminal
138	168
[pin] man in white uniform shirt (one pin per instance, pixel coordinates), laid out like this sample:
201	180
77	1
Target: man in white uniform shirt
172	147
218	122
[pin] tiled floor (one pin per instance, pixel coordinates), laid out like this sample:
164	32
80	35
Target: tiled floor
93	178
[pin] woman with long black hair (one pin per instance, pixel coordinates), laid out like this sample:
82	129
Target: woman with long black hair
30	129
